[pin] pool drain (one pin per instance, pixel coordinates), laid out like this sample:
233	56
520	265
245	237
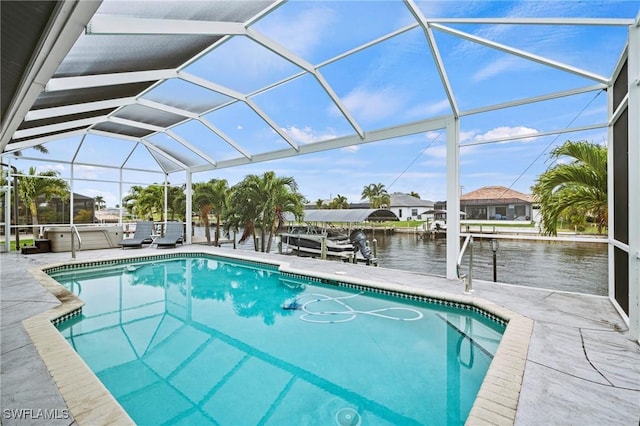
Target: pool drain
348	417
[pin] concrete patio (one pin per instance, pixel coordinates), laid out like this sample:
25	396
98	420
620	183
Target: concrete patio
581	367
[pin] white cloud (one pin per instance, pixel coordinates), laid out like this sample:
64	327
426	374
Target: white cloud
306	134
301	32
351	149
502	132
436	151
496	67
369	105
86	172
429	110
467	136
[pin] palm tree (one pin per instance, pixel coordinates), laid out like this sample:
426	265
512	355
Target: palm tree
415	194
320	203
211	197
45	184
377	195
580	185
146	202
339	202
99	202
152	200
130	201
369	192
176	202
258	204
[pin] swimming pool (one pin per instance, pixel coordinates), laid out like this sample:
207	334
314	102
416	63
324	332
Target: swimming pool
197	340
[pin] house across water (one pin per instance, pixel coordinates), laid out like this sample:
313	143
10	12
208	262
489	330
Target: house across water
495	203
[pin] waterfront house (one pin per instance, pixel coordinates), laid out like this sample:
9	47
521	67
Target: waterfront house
496	203
404	206
408	207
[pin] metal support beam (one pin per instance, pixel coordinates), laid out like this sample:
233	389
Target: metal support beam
133	123
272	124
120	196
598	22
298	61
191	147
202	82
42	113
7	211
453	196
188	207
18	146
421	126
521	53
611	193
99	80
537	134
435	52
225	137
166	201
526	101
634	180
118	24
51	128
71	189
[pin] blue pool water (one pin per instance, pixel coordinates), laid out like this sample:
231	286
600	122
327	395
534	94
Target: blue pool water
206	340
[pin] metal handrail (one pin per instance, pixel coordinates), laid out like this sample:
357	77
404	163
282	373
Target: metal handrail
468	284
73	247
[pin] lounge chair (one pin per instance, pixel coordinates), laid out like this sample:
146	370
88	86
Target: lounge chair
172	235
142	235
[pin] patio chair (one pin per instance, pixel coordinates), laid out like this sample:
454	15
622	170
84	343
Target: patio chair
172	235
142	235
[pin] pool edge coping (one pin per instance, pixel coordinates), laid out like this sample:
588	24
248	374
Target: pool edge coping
89	400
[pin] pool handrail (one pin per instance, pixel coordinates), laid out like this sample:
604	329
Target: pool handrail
468	283
73	247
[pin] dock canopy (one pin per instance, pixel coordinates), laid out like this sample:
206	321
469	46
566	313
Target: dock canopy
346	216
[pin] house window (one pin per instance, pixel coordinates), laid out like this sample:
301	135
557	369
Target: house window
521	211
477	213
414	212
501	212
399	212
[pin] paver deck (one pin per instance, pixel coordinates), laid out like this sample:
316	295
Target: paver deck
566	358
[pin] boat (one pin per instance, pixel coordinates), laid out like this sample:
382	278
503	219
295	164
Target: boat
307	239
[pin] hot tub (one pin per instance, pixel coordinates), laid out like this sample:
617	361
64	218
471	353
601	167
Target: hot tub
93	237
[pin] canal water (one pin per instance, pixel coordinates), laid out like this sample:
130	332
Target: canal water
558	265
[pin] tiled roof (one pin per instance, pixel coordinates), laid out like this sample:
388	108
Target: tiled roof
495	193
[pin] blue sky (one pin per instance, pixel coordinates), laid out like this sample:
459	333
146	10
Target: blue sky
389	84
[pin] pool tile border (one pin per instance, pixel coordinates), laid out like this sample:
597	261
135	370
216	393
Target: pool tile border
90	402
403	295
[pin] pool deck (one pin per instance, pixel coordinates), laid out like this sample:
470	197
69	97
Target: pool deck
578	367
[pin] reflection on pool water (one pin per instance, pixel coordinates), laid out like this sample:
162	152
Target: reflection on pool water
207	340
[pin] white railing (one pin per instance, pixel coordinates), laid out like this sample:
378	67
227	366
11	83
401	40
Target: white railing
468	278
74	230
